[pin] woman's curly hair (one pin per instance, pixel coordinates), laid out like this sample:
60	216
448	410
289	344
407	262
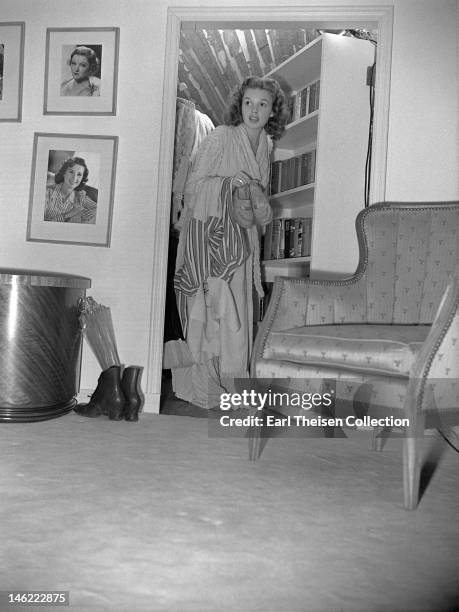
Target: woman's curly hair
69	163
276	124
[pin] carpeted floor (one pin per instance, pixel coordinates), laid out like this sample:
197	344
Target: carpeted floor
158	516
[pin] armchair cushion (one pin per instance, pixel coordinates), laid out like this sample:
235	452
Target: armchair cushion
382	349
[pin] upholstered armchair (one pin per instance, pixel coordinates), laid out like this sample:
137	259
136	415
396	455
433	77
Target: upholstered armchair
388	337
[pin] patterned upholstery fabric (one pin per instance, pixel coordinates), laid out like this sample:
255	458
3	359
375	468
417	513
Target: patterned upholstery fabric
412	255
386	394
386	349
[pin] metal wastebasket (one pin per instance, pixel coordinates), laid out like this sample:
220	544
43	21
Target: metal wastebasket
40	344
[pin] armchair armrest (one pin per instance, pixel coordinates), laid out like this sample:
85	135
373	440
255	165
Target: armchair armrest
302	301
436	370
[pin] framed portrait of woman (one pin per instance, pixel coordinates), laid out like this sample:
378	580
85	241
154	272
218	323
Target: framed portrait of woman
72	189
11	70
81	71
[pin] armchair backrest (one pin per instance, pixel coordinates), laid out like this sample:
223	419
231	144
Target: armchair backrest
408	254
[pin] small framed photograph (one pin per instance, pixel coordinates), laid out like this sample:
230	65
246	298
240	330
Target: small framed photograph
81	71
11	70
72	189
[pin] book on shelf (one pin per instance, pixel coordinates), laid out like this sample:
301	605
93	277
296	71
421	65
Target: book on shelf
276	230
304	102
274	181
281	253
306	242
291	105
291	177
284	175
287	238
297	237
307	168
292	172
296	170
296	107
314	93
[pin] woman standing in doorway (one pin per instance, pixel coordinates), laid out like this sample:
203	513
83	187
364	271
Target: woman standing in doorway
218	255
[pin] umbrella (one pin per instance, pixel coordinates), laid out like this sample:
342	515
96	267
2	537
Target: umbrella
97	327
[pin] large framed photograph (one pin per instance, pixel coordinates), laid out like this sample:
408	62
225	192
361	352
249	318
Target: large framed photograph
81	71
72	189
11	70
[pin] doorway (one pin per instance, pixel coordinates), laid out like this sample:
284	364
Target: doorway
368	18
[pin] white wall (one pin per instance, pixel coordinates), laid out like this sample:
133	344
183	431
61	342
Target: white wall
422	145
423	130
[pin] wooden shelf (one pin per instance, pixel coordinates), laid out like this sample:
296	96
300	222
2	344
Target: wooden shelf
301	132
293	267
289	261
295	198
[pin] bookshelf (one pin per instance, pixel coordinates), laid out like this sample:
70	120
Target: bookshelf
320	159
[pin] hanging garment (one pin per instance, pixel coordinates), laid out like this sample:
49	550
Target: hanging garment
185	133
191	127
217	265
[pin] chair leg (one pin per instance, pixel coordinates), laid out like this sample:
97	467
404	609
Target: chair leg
254	435
412	456
254	445
376	440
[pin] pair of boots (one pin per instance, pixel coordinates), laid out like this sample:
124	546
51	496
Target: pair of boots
115	396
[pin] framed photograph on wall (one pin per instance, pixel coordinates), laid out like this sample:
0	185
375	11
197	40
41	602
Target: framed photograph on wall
11	70
72	189
81	71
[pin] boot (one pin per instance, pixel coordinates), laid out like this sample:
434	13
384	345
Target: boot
108	398
130	386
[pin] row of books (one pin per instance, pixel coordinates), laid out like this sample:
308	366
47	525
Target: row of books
304	101
287	238
292	172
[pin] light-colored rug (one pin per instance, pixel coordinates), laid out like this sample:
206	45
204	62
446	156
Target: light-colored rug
157	516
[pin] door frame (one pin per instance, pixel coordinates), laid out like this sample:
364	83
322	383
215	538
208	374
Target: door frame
380	17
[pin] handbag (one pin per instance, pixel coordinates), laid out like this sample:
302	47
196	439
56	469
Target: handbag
250	205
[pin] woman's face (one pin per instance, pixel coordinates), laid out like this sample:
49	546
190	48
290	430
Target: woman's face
73	176
257	106
80	67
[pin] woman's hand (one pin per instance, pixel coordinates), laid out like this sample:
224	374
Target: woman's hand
240	179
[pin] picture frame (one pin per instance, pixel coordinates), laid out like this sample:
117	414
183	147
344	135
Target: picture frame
72	189
11	70
82	83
